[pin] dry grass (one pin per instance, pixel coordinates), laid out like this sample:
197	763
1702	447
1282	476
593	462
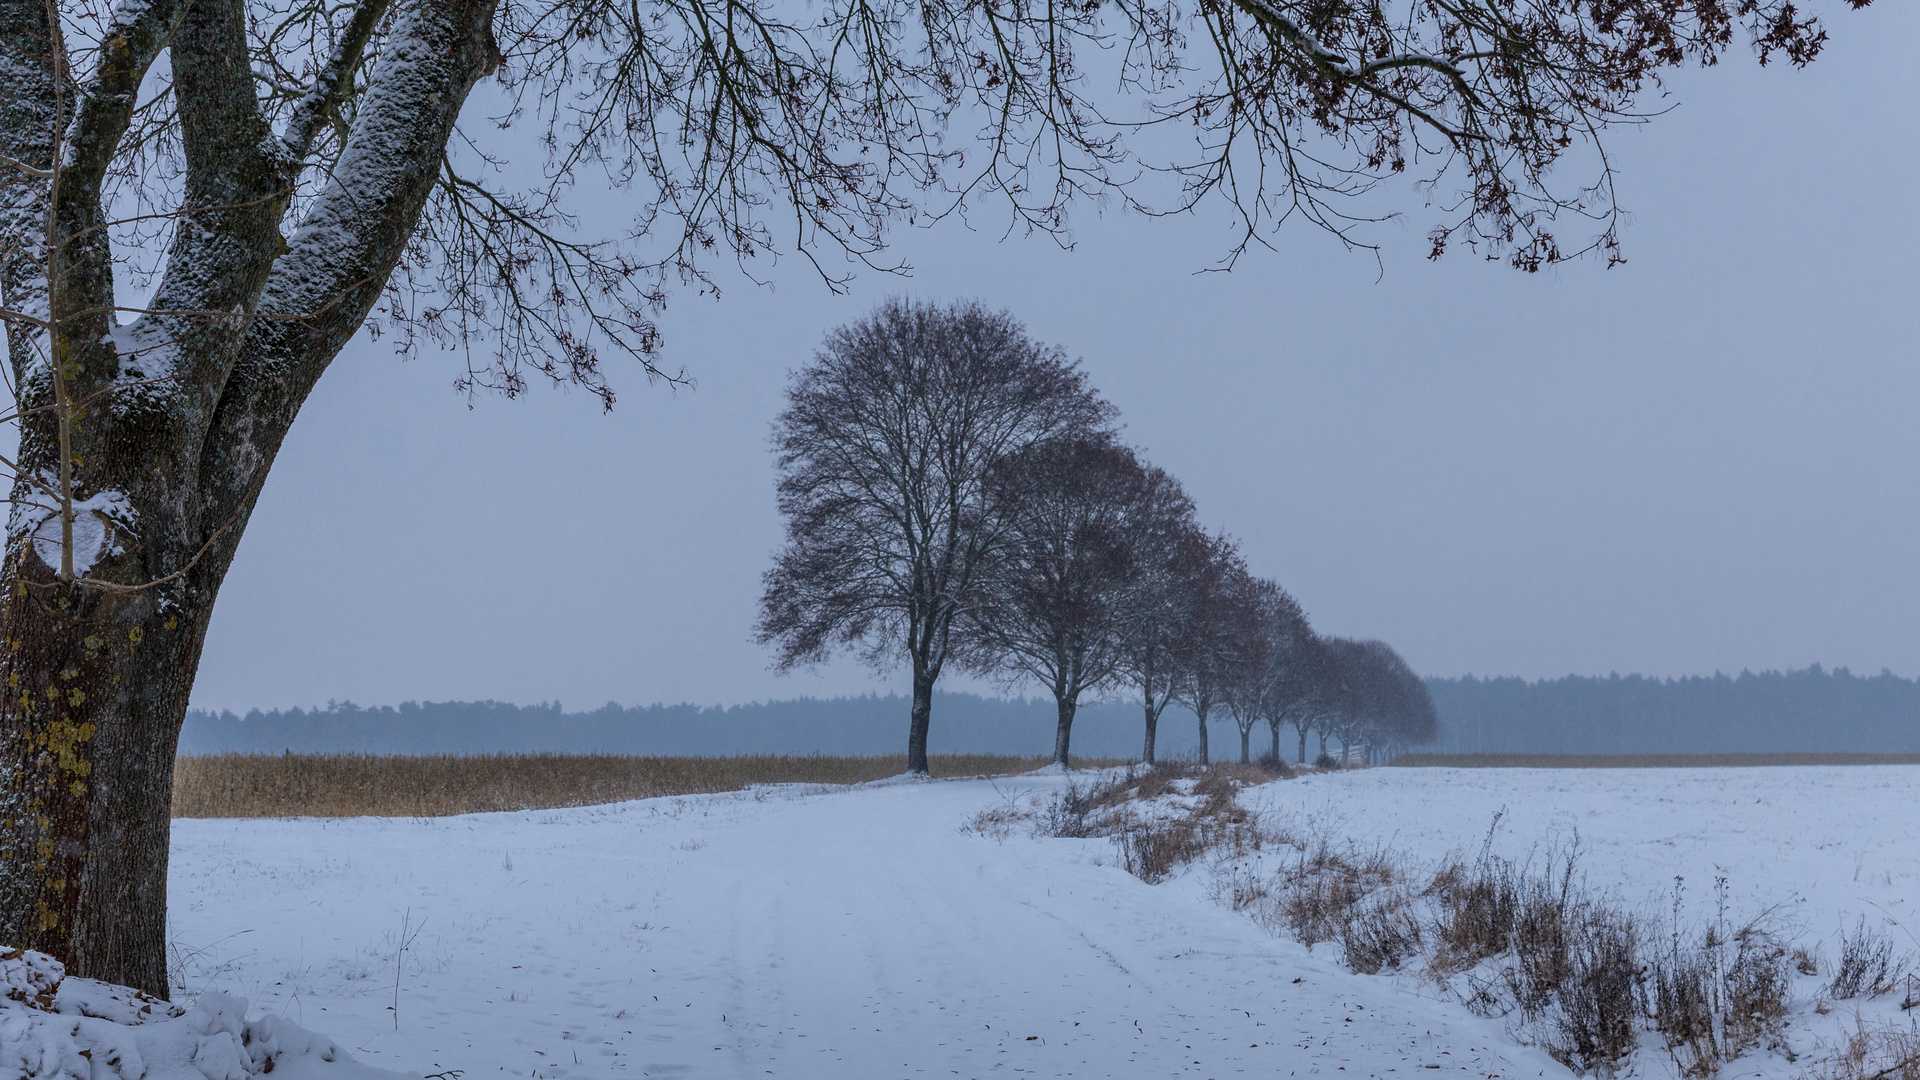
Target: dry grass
1642	761
355	785
1196	813
1869	965
1570	970
1889	1052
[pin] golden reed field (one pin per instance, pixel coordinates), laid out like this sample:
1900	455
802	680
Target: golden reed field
354	785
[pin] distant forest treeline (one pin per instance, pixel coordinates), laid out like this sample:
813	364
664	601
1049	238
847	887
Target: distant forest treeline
869	724
1811	710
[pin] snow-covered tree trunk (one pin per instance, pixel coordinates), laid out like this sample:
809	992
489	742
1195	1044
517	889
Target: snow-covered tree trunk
117	544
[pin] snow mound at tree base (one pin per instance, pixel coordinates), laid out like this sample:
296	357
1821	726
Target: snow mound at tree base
57	1028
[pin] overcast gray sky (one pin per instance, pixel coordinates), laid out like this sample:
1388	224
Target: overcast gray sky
1703	460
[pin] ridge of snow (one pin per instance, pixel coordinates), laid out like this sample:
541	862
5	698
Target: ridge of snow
52	1027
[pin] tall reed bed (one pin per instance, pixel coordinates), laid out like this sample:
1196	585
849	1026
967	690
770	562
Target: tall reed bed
353	785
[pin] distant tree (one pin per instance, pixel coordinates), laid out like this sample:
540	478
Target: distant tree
1058	602
1274	629
1173	560
1407	717
1221	618
1309	689
1389	707
883	452
1348	669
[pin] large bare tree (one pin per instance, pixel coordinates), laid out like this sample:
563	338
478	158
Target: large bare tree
202	201
1063	598
1311	688
1269	653
1393	708
1172	564
1222	622
885	450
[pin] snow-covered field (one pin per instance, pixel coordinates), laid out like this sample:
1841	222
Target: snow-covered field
866	933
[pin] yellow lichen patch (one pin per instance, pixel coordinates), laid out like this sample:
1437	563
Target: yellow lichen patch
92	642
135	634
64	738
48	920
80	787
75	696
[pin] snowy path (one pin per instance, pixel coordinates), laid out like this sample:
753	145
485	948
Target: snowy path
852	933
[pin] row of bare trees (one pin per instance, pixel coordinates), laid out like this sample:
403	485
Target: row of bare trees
955	494
203	201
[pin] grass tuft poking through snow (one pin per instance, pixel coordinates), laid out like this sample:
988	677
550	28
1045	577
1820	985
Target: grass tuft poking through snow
1868	965
1874	1052
1161	817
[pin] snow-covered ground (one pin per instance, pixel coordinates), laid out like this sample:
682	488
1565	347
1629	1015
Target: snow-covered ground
1823	846
865	933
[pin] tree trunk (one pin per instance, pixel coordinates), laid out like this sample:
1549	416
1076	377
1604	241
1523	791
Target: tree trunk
1275	726
1246	738
97	687
1303	745
1201	711
1063	732
1153	725
922	718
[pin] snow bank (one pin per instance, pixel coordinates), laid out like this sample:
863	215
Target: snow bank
52	1026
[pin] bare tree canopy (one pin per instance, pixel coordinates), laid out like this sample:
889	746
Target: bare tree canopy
1062	600
1173	561
1271	652
884	452
1311	690
1223	621
1386	706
